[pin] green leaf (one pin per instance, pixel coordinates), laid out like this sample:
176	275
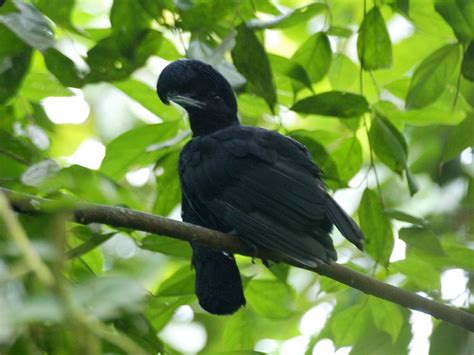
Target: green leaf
251	60
461	137
161	309
167	246
169	192
203	15
348	325
376	227
462	256
11	168
37	86
333	103
405	217
152	7
388	144
430	78
29	25
280	271
289	68
12	71
401	6
450	339
86	260
459	14
315	56
380	342
57	10
139	329
99	188
339	31
373	44
413	186
180	283
18	149
110	61
467	68
348	158
88	246
427	280
440	112
216	57
38	172
134	142
422	239
270	298
387	317
147	97
107	297
300	15
238	333
343	74
63	68
128	19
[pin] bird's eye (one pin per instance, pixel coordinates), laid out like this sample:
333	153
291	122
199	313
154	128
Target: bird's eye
217	98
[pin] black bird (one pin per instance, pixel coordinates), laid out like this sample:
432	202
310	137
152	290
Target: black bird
248	181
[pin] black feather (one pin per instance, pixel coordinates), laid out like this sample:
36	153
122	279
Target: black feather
258	184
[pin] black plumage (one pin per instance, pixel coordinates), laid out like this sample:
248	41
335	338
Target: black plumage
255	183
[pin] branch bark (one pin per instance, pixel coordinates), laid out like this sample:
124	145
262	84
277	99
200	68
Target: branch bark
85	213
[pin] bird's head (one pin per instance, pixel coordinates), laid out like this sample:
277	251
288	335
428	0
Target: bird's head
202	91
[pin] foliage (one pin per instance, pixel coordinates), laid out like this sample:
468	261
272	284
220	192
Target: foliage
384	109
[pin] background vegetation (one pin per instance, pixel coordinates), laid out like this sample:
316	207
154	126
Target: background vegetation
380	91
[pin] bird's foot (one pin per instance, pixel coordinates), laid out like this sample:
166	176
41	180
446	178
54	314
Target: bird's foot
254	253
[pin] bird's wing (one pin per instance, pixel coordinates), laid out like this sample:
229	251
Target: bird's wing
262	186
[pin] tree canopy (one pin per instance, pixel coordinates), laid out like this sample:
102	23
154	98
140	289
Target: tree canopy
380	91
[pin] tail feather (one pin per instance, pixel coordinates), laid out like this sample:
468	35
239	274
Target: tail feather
218	283
346	225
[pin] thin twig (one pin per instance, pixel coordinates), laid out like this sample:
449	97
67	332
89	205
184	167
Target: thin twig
372	162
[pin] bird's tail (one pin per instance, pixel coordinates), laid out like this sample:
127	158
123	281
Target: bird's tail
218	284
346	225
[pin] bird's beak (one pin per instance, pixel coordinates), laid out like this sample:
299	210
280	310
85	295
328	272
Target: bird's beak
185	101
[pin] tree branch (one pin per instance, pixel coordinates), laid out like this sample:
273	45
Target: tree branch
85	213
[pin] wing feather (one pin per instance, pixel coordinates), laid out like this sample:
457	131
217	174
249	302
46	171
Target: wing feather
264	187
